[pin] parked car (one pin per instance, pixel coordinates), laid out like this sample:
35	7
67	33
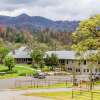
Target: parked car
97	77
40	75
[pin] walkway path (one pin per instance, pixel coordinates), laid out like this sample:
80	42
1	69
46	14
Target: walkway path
18	95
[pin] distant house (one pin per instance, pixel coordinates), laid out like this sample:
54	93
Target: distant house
21	55
67	59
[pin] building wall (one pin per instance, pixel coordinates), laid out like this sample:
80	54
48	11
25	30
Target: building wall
79	68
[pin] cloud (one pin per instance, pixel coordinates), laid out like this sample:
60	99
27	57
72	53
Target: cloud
53	9
17	1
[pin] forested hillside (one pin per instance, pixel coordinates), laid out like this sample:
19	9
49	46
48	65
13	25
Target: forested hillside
45	40
36	31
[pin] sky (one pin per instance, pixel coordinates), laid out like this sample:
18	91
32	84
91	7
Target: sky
53	9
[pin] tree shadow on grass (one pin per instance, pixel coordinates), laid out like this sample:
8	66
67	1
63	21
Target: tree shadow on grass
6	71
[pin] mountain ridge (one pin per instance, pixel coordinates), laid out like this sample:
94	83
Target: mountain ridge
37	23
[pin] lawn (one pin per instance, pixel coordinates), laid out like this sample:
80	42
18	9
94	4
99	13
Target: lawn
18	70
67	95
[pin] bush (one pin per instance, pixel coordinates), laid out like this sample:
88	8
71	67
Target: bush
25	73
46	69
60	73
9	62
36	66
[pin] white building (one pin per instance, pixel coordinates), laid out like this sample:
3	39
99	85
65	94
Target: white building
67	60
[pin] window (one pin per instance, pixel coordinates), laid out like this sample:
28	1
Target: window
84	62
68	68
62	61
29	59
67	61
87	70
71	69
72	61
84	70
98	62
96	70
24	59
77	70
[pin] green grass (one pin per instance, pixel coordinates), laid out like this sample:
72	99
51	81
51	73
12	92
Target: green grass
97	83
67	95
18	70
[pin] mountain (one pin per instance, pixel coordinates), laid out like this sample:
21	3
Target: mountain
37	23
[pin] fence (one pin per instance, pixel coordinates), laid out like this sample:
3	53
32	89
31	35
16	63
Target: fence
89	95
84	92
36	83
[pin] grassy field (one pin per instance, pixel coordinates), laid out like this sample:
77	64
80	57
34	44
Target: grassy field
67	95
18	70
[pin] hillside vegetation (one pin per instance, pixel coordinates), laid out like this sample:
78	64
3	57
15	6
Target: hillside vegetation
45	40
36	31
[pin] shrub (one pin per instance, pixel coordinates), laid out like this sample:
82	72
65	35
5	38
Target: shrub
46	69
28	72
9	62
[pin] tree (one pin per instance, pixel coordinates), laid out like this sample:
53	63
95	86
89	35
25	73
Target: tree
37	56
80	51
87	34
9	62
42	64
91	58
3	52
52	61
